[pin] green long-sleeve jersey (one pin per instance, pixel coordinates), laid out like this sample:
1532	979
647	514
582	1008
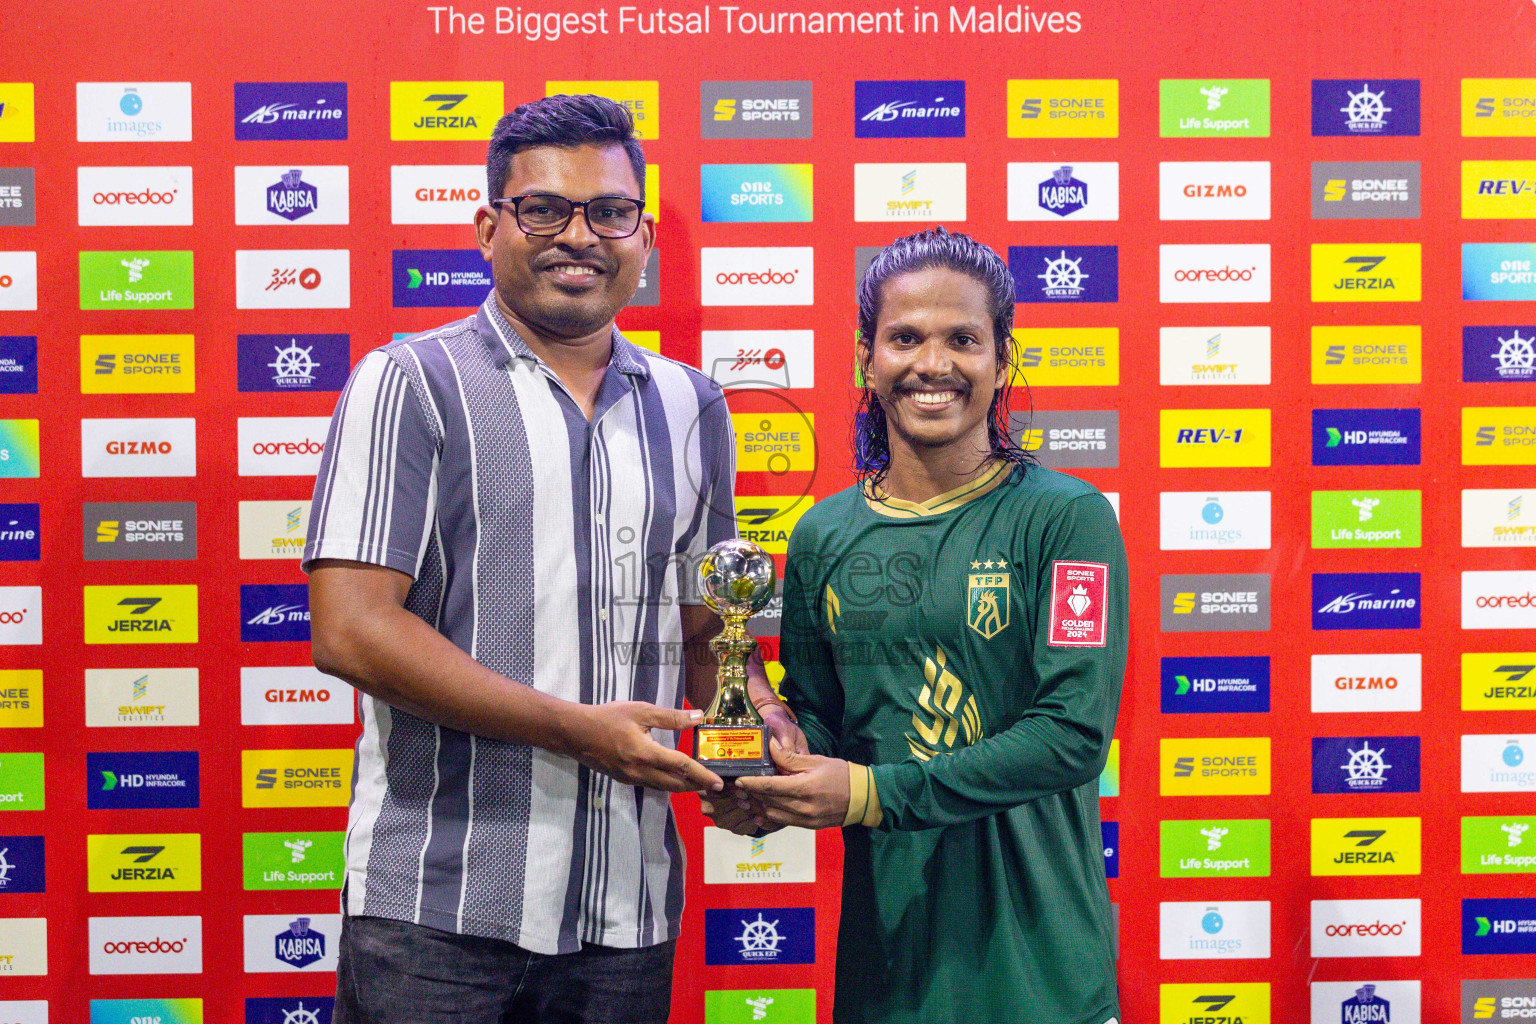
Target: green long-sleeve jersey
971	648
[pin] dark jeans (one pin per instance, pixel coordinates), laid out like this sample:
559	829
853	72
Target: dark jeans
394	972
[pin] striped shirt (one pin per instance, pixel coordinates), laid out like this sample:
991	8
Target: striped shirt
550	549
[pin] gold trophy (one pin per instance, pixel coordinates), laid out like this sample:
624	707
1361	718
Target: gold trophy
737	579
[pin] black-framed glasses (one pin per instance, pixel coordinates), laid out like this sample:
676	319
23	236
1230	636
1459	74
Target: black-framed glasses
543	215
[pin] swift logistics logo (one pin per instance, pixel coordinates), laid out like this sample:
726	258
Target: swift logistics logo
1496	764
1219	1003
1213	190
788	855
120	531
1499	354
22	782
134	196
282	194
1214	766
20	533
1367	519
293	278
640	98
909	110
146	945
756	193
1366	846
273	529
23	864
1205	108
278	943
292	860
18	366
1230	930
1063	108
1189	438
1213	273
769	935
1360	928
1498	189
133	111
163	862
1065	273
295	778
293	695
1067	356
443	110
141	614
1498	271
1069	439
1215	685
1355	190
1213	521
1367	682
1367	272
1213	355
1354	107
908	192
1214	849
1498	681
21	698
138	448
1504	999
293	362
137	781
138	364
1367	355
755	110
274	612
1056	191
140	696
1206	603
1365	600
1499	926
1365	437
24	951
1498	107
1502	844
136	280
289	111
1365	764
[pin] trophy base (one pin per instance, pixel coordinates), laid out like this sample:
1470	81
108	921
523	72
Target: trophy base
733	752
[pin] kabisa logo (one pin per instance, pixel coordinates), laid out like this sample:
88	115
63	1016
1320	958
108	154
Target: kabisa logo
1496	764
133	112
443	110
1498	926
1365	437
1220	931
300	945
1056	191
1071	273
1061	193
18	364
290	110
1361	108
293	362
23	864
292	197
20	533
1215	685
1366	1006
161	779
781	935
755	110
274	612
926	110
1498	271
440	277
290	1010
1383	600
1365	764
1499	354
1214	521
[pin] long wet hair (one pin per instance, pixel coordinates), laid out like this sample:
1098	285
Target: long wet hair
964	255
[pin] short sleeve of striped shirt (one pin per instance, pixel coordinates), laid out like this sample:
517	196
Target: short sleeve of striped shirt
718	451
376	490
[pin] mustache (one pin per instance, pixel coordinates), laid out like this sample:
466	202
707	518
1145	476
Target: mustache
565	254
946	383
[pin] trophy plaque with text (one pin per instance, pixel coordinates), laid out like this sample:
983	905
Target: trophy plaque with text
737	579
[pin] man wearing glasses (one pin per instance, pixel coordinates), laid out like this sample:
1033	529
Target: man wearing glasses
502	519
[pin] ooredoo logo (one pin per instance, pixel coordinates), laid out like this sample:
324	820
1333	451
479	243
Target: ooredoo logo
281	445
138	448
157	196
1498	600
1366	928
757	277
1214	273
146	945
21	616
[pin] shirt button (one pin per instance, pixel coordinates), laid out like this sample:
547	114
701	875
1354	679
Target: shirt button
598	519
602	614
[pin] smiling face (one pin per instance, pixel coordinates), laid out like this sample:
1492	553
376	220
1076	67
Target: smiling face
571	286
933	361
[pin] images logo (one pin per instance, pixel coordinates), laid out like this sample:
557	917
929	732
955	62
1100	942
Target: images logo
757	276
1214	931
1065	273
1492	107
16	112
277	611
1191	108
141	614
18	367
444	110
1207	521
137	364
780	935
1367	682
133	696
133	112
1349	190
145	863
440	277
18	194
755	193
1366	846
1074	108
1365	764
1498	682
1214	190
909	110
1377	107
1382	600
1367	273
1366	519
1214	849
1498	926
290	110
1367	355
141	780
1067	356
1215	685
1054	191
18	280
297	695
1214	766
20	533
295	778
639	98
1498	271
139	531
755	110
136	196
21	782
293	362
1213	273
1496	764
293	278
23	865
283	194
1365	437
1071	439
1213	437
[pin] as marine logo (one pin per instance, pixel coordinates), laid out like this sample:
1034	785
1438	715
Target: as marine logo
944	711
986	602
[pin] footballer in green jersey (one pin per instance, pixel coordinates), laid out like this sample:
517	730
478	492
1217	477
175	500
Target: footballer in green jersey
954	639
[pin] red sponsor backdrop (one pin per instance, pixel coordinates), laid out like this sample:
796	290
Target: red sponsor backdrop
212	46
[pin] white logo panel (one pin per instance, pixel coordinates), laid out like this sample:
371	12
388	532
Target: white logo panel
294	695
1213	273
759	359
1366	928
1365	1001
18	280
293	279
1213	355
281	445
273	529
1055	192
134	196
133	111
435	193
1214	190
140	696
1367	682
286	194
1498	600
910	192
1214	931
1496	763
134	448
146	945
788	855
1498	519
781	276
21	616
23	1011
308	942
1214	520
24	950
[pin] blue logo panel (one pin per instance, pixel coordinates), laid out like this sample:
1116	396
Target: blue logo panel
21	533
440	277
290	1010
23	866
1065	273
1498	926
1352	106
1365	600
1365	437
1498	271
290	110
775	935
1215	685
1499	354
117	781
1110	831
18	365
294	362
274	611
1365	764
909	110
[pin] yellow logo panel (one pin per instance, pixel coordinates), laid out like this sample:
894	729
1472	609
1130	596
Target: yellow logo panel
653	190
137	364
1498	189
16	117
768	522
648	340
641	99
1366	846
295	778
444	110
141	614
1063	108
21	698
775	442
1498	436
1367	355
1498	682
1190	438
1498	107
1367	272
1222	766
1217	1002
144	863
1067	356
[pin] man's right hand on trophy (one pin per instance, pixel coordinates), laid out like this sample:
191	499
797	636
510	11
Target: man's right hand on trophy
615	739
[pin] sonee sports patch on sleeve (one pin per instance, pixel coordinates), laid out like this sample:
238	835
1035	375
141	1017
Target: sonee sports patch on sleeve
1078	604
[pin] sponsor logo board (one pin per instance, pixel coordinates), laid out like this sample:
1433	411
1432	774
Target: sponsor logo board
908	192
1498	189
154	779
18	366
1498	600
21	532
769	935
1365	437
1213	273
637	97
18	281
1214	849
1229	930
1214	685
146	1011
18	197
1498	107
1367	272
19	448
281	445
1502	844
759	359
909	110
440	277
760	1006
293	279
295	778
293	695
755	110
1366	846
17	109
1367	682
781	442
141	696
146	945
1367	355
1496	763
293	362
141	614
1067	356
1214	521
21	616
273	529
1356	190
287	111
137	364
133	111
1498	926
21	782
435	193
282	943
1498	681
1069	439
1063	108
1224	1003
1365	600
140	279
117	531
1360	928
1364	108
138	448
24	948
1214	437
21	698
1213	190
134	196
444	110
1390	1002
1056	191
774	276
1193	108
1065	273
1365	764
1213	355
1498	436
768	521
290	1010
1214	766
162	862
1204	602
282	194
1366	519
788	855
1498	271
293	860
274	612
1504	999
1499	354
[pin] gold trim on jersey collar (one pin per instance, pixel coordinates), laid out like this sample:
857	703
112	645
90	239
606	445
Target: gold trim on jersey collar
900	508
